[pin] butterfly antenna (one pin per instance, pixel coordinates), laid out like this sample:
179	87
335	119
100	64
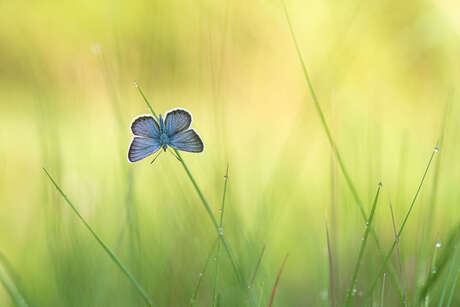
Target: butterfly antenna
159	153
173	153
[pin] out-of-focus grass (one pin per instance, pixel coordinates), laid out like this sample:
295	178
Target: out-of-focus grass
383	72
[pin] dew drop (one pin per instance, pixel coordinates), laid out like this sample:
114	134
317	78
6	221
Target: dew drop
436	149
438	244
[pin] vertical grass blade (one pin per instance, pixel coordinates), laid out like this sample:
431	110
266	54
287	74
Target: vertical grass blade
275	287
333	145
382	295
251	283
203	271
432	270
205	203
11	289
401	229
363	246
449	272
331	269
107	249
445	256
221	225
454	285
399	255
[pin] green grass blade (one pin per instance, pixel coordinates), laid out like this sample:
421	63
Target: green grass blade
275	287
221	225
454	285
444	258
205	203
401	229
334	148
363	246
11	289
203	271
449	273
107	249
432	269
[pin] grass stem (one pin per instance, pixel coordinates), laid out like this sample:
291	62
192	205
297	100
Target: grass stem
107	249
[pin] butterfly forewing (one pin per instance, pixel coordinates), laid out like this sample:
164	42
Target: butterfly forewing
188	140
145	126
142	147
177	120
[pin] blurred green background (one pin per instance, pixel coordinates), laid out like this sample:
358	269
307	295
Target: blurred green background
385	73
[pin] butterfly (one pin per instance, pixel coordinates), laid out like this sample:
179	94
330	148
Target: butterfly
150	135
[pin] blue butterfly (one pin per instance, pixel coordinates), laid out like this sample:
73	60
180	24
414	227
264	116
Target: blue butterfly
174	131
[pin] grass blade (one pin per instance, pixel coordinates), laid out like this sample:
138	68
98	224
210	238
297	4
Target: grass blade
203	271
221	225
449	272
443	260
107	249
331	269
220	231
387	257
432	270
275	287
363	245
12	289
399	254
382	296
333	145
251	283
454	284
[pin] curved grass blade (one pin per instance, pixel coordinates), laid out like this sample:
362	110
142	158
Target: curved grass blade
449	273
432	270
443	259
12	289
401	229
107	249
331	268
399	255
205	203
334	148
275	287
363	245
251	283
203	271
454	284
221	225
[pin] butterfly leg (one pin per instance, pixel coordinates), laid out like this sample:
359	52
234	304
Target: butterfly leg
159	153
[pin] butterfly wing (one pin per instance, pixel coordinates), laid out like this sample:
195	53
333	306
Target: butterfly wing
188	140
141	147
177	120
145	126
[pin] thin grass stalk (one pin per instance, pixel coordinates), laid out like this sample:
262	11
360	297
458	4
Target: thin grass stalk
275	287
220	232
16	297
432	270
441	263
401	229
454	285
251	283
203	271
399	254
382	295
221	225
449	272
334	148
107	249
363	246
331	268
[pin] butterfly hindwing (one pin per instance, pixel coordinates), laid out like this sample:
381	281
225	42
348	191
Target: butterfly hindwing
141	147
145	126
188	140
177	120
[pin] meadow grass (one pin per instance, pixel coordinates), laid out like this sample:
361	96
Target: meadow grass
149	220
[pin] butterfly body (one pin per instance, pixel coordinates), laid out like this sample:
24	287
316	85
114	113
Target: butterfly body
150	134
